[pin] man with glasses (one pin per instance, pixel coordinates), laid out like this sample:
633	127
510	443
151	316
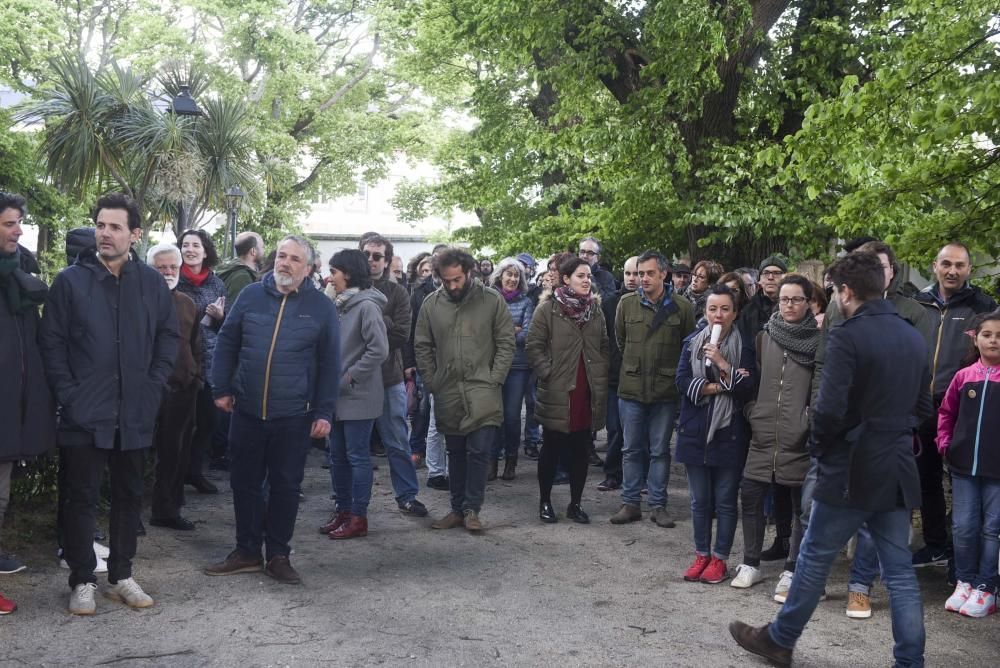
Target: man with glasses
758	311
590	250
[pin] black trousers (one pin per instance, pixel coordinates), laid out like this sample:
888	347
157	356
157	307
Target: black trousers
752	493
84	469
205	426
572	448
782	509
172	441
933	512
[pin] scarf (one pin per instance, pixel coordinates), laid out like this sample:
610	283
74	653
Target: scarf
697	299
343	297
799	339
721	404
578	308
195	279
21	291
510	296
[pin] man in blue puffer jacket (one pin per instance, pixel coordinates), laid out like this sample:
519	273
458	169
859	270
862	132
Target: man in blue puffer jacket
277	370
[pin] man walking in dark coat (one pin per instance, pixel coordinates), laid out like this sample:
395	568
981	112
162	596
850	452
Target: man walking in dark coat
870	398
109	340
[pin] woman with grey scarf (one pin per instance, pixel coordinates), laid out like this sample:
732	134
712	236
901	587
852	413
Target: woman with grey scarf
716	376
780	422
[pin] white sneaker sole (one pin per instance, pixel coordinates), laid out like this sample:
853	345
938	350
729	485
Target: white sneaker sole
86	612
114	596
740	584
859	614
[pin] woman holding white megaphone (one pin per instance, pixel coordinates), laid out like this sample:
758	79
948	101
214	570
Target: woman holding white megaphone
716	375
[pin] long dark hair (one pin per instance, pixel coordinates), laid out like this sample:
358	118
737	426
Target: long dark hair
211	257
973	356
355	265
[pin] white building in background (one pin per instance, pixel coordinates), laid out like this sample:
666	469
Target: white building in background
336	224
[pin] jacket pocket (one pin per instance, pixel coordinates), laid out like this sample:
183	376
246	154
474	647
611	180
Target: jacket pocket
663	380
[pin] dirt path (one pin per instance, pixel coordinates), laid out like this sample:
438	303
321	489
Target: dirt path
522	594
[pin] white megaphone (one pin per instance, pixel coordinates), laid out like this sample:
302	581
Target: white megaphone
716	333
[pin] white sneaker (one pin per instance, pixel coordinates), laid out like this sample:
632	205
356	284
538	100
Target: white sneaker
784	584
746	577
963	590
81	601
102	566
980	604
127	591
101	551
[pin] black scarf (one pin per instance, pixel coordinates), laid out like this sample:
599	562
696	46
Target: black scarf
22	291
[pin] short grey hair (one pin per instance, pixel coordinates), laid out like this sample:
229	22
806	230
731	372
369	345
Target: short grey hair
305	244
600	246
504	265
160	249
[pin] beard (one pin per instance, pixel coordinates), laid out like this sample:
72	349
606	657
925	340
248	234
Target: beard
285	280
171	281
459	294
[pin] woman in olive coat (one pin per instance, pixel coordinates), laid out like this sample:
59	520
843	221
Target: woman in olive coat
568	349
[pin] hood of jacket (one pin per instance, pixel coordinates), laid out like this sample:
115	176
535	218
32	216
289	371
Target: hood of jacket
367	295
234	267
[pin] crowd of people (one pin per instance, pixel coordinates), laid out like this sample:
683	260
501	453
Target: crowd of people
831	409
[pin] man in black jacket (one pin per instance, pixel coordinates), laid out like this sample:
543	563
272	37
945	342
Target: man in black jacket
109	341
590	250
951	303
862	438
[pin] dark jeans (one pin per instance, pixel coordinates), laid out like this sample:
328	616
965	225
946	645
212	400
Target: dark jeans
575	448
420	420
84	470
752	493
829	530
933	514
532	430
713	489
172	442
514	390
613	457
468	467
204	436
272	450
782	509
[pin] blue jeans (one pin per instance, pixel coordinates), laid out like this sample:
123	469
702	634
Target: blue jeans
532	430
975	525
351	465
646	429
272	450
514	390
829	530
864	568
391	427
714	488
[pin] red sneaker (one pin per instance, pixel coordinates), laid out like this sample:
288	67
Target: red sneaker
694	571
7	606
715	573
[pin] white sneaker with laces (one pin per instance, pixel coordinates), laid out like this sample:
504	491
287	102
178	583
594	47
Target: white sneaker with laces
963	590
81	601
746	577
101	551
784	584
981	603
128	591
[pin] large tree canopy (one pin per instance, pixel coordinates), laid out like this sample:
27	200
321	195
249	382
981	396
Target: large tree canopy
713	127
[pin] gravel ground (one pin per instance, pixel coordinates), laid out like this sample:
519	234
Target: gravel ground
520	594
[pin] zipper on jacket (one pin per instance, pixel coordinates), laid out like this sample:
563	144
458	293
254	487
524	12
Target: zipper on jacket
270	354
937	348
979	422
777	413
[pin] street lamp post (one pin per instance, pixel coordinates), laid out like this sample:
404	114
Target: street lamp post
234	195
183	105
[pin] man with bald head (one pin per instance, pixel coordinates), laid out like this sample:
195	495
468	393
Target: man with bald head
952	303
244	268
613	458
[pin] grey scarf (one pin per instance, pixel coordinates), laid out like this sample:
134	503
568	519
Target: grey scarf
721	404
799	339
345	296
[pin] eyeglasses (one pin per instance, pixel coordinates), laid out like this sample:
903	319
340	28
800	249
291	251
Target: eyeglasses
772	274
588	253
785	301
378	257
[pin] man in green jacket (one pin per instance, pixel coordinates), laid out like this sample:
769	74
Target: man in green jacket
244	269
650	326
464	346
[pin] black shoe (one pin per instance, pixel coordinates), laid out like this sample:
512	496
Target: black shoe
930	555
100	536
414	508
177	523
576	513
608	485
202	484
595	459
757	640
140	530
531	451
438	482
218	464
494	466
777	551
280	568
547	513
561	479
378	449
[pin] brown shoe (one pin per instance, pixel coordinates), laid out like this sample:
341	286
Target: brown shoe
627	513
449	521
280	568
355	527
472	522
335	521
235	563
509	466
757	640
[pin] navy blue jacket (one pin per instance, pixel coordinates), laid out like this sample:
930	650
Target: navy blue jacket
871	394
729	446
109	346
279	355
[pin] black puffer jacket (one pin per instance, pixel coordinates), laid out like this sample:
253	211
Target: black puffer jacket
108	345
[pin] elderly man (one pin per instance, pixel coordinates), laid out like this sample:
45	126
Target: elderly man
277	371
590	250
172	439
109	341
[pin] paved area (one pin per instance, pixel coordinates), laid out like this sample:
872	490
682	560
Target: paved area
521	594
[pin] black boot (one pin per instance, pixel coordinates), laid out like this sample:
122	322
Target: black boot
547	513
778	551
509	464
575	513
493	470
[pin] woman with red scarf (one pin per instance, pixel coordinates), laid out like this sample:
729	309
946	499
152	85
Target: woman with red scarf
207	290
568	348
